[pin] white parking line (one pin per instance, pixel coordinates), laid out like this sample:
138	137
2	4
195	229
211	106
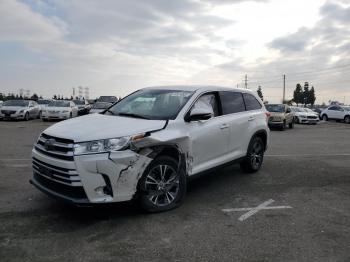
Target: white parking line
306	155
15	159
254	210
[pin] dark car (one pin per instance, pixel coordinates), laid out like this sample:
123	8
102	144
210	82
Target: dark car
83	107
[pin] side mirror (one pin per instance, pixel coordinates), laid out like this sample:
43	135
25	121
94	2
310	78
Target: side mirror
198	114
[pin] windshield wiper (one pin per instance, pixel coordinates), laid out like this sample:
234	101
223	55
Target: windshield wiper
110	111
132	115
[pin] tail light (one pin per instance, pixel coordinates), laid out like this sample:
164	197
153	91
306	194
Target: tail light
268	114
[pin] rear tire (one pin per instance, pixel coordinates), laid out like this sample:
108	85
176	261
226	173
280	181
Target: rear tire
255	156
162	186
291	124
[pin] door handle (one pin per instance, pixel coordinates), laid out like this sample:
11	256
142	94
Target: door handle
251	118
223	126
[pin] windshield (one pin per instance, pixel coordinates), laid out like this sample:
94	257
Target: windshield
79	102
275	108
59	104
155	104
99	105
43	102
16	103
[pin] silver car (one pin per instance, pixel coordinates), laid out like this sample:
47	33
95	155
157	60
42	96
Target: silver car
19	110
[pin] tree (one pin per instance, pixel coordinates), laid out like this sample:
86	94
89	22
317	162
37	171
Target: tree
260	94
34	97
312	96
298	94
306	94
54	97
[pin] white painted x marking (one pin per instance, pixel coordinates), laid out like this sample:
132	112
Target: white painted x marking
254	210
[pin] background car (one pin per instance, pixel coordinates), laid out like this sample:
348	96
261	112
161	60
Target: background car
43	104
336	112
59	109
305	116
107	99
281	116
83	107
1	102
19	109
99	107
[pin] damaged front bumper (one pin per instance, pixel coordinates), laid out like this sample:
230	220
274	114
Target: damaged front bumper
96	178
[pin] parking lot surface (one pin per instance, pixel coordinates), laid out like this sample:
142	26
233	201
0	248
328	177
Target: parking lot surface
306	173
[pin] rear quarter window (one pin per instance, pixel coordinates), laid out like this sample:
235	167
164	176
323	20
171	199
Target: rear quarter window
251	102
232	102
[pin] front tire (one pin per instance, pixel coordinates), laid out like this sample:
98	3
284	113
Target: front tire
325	118
347	119
26	116
255	156
163	185
291	124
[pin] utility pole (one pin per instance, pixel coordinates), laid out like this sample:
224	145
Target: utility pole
246	82
284	88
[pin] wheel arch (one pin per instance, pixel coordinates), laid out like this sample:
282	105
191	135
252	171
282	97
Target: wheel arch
261	134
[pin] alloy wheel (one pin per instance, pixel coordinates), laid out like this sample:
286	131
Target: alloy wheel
162	185
256	155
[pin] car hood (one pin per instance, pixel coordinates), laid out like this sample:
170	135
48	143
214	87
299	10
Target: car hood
53	108
14	108
300	113
97	126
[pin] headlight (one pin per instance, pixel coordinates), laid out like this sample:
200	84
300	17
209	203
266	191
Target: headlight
65	111
105	145
301	116
21	111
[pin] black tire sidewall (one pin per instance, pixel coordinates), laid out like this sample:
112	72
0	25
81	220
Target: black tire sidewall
145	203
26	116
347	119
246	165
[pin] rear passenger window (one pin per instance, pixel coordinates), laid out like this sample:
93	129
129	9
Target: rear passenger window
232	102
251	102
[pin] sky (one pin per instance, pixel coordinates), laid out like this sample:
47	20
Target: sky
115	47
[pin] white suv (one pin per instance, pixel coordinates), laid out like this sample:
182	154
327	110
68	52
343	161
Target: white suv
149	143
337	113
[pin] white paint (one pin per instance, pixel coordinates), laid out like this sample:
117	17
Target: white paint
254	210
307	155
17	165
15	159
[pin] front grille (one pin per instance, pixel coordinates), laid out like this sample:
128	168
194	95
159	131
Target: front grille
57	174
8	112
312	117
55	147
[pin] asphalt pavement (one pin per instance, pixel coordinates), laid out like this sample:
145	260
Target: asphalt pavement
297	208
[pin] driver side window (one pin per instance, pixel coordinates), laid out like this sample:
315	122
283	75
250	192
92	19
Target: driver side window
208	101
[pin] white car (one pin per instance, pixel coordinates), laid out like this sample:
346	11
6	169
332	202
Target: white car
99	107
336	112
305	116
19	110
1	102
59	109
43	103
149	143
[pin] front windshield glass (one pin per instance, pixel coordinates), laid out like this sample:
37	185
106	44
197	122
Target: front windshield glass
275	108
22	103
43	102
79	102
99	105
155	104
59	104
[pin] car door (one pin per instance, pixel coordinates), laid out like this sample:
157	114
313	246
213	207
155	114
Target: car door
332	112
208	139
233	109
31	109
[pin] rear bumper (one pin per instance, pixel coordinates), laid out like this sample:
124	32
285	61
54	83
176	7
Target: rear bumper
275	124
